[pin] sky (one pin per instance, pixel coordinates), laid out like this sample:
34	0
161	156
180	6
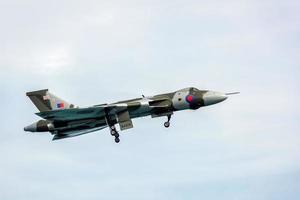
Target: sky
94	51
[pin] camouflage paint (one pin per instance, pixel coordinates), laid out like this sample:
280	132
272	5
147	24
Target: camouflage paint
67	121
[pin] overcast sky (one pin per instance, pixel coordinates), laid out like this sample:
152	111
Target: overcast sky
91	52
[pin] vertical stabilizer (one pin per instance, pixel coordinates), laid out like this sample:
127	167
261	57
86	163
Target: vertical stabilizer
45	101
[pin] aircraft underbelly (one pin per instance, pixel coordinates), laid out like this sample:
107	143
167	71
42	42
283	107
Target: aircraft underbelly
141	112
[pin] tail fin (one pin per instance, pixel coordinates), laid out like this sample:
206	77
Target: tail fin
45	101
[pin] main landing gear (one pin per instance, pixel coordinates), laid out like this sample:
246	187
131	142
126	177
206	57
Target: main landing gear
167	123
112	128
114	132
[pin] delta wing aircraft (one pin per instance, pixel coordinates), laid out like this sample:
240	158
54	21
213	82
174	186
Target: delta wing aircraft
64	120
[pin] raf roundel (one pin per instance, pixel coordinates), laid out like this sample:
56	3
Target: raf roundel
189	98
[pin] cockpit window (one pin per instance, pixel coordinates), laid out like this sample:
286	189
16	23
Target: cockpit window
194	91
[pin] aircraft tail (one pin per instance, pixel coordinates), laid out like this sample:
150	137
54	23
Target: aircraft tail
45	101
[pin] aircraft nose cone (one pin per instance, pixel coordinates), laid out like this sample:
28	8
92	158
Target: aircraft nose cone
211	98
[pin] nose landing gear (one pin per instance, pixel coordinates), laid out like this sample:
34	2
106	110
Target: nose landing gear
167	123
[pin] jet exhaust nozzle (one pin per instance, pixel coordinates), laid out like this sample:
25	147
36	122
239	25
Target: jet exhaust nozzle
40	126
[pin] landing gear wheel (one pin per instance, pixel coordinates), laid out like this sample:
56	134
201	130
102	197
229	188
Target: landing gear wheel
116	134
167	124
117	139
113	132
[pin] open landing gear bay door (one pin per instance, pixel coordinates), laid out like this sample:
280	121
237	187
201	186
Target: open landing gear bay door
124	120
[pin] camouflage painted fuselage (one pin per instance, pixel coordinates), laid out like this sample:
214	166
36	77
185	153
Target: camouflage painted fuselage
164	104
64	120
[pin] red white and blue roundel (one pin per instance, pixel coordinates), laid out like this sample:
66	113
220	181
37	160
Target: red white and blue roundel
190	98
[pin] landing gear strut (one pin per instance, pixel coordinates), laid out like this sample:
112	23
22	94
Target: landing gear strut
112	128
167	123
